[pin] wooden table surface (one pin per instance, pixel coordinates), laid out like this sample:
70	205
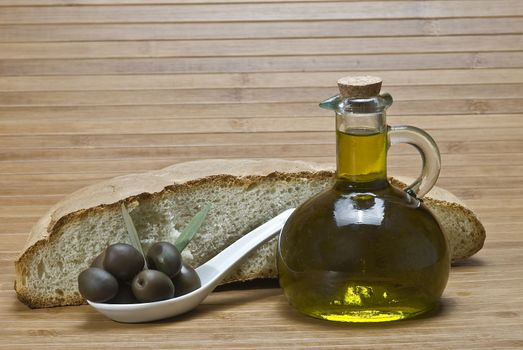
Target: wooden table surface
90	89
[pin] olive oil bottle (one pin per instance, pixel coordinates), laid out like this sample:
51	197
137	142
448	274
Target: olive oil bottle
364	251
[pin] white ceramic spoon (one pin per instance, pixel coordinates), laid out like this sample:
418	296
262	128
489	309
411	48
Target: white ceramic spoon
211	273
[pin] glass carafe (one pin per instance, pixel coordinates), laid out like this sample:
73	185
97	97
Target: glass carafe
363	250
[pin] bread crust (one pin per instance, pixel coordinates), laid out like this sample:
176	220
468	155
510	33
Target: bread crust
180	177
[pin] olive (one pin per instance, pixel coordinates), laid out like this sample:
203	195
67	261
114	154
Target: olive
165	257
123	261
125	294
152	285
97	285
99	260
186	281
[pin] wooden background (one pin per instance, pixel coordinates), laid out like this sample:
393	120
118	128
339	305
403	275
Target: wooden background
90	89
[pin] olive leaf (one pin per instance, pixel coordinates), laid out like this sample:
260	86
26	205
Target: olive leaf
135	240
192	227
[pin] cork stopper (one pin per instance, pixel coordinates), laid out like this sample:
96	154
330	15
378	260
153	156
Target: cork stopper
364	86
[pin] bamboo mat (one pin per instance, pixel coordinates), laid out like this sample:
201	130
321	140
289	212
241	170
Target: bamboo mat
91	89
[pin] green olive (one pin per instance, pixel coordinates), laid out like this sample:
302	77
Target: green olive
97	285
123	261
99	260
186	281
125	294
152	285
165	257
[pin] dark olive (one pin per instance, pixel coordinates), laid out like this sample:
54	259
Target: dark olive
152	285
125	295
123	261
165	257
97	285
99	260
186	281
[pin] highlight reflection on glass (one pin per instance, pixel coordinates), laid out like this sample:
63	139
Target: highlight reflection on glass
366	209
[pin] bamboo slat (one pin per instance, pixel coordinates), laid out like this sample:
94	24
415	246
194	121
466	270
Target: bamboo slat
355	63
286	80
259	12
250	30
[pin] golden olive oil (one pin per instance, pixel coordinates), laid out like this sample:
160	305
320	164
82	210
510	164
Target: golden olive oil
362	155
362	251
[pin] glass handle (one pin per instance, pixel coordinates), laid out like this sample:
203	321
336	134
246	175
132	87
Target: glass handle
429	152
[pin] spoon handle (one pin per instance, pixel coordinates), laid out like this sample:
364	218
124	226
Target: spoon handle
226	261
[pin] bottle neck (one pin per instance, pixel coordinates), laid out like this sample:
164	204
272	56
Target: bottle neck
361	149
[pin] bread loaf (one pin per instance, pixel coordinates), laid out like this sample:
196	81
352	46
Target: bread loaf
243	194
